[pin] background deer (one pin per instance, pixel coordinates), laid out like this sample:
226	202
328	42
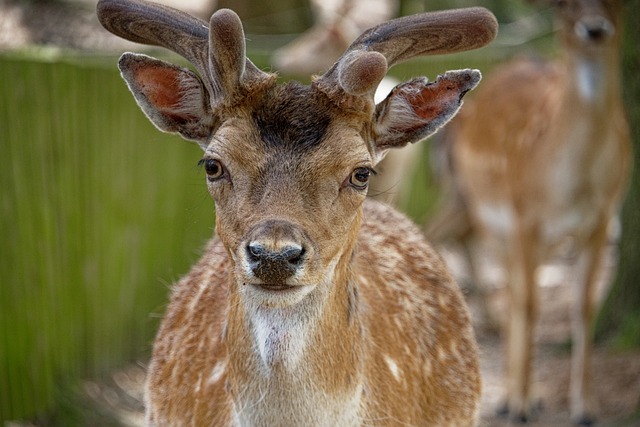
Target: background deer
337	23
539	157
310	306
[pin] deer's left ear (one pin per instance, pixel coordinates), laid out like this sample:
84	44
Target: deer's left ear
172	97
416	109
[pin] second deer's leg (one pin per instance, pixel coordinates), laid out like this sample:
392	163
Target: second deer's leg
587	272
521	264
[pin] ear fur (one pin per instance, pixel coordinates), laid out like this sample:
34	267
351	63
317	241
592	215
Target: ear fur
172	97
416	109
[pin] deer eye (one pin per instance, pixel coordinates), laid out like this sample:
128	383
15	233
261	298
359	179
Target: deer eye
213	168
360	178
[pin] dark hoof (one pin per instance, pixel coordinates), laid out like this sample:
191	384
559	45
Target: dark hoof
502	411
585	420
520	418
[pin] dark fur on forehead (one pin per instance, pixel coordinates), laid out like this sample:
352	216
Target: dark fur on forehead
292	116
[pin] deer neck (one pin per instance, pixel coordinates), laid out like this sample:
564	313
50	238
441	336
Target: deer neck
593	79
582	142
279	357
590	95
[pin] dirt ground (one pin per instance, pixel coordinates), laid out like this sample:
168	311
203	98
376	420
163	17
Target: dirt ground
615	374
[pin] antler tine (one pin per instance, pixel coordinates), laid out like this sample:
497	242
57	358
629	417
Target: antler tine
154	24
404	38
431	33
228	62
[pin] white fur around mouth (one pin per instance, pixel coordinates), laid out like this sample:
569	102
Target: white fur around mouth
280	295
276	288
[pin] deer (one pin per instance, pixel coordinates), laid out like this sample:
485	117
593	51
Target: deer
540	159
311	305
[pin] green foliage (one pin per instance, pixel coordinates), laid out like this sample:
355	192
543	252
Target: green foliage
99	212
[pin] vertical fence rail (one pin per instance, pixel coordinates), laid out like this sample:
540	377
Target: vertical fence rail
98	212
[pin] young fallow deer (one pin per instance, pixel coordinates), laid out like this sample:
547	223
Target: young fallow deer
310	307
539	155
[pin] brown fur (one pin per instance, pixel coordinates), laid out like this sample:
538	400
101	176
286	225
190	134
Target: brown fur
309	307
421	306
541	156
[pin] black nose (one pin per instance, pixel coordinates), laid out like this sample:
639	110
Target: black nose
274	266
595	33
594	28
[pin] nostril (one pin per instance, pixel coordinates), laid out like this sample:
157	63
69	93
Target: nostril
255	252
274	266
293	254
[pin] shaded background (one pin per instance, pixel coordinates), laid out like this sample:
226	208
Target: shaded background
100	213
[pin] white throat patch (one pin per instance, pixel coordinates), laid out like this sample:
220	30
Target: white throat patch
589	80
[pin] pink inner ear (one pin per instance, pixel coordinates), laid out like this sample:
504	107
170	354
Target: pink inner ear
161	86
434	99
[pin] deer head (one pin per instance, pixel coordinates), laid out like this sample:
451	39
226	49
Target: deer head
288	165
586	25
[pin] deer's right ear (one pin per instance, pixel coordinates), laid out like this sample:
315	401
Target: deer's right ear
418	108
172	97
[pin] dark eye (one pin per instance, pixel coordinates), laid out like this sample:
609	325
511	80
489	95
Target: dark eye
213	168
360	178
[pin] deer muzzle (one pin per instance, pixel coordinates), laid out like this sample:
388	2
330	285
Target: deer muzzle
594	29
275	253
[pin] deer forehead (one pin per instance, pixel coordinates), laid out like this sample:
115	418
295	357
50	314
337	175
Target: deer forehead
293	130
575	10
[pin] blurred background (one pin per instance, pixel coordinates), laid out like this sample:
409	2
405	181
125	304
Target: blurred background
100	213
